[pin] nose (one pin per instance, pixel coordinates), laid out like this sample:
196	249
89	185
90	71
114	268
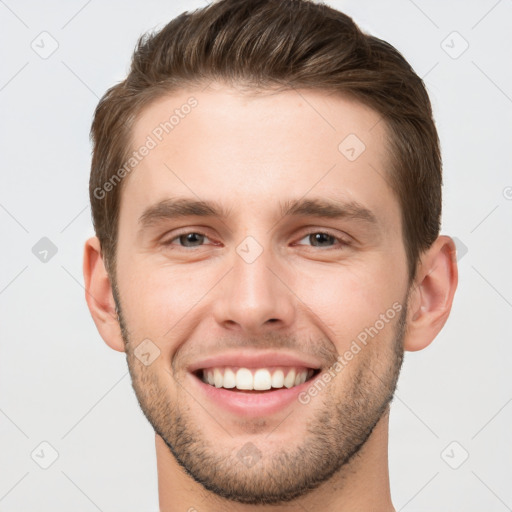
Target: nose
254	297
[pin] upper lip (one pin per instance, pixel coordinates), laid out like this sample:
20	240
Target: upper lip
246	359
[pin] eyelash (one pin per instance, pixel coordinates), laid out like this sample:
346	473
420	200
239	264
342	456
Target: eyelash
341	241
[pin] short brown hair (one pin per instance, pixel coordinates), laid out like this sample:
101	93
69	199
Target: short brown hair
266	44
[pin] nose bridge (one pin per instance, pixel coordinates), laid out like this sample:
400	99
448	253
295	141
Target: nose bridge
254	296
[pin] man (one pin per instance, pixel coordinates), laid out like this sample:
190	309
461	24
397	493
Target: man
266	195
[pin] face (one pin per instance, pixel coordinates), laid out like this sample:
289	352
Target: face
260	262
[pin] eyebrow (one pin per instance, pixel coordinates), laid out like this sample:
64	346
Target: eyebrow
175	208
324	208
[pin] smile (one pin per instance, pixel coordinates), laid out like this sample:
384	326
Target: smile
252	383
257	379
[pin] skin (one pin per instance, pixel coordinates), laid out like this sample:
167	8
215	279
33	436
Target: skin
250	153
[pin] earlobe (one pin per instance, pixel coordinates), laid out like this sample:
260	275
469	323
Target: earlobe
99	297
431	296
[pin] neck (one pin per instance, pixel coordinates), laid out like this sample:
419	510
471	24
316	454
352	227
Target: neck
362	484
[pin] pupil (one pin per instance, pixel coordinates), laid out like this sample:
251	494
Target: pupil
189	237
321	237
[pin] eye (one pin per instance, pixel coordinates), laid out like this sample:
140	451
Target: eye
189	239
323	239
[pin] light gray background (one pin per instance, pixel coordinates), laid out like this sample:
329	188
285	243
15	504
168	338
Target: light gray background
61	384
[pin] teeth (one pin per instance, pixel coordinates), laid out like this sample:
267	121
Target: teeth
278	379
300	378
262	380
289	380
258	379
218	379
244	379
229	379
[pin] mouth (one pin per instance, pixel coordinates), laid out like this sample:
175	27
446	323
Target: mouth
255	380
253	384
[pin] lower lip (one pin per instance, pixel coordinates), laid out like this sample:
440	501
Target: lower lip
251	404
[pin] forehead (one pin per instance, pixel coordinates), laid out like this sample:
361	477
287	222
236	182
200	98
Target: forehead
250	152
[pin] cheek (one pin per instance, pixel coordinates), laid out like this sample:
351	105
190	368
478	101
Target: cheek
344	301
156	299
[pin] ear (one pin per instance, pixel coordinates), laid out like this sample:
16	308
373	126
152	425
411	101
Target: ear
431	296
99	297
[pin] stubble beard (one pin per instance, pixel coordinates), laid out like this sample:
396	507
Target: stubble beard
335	434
